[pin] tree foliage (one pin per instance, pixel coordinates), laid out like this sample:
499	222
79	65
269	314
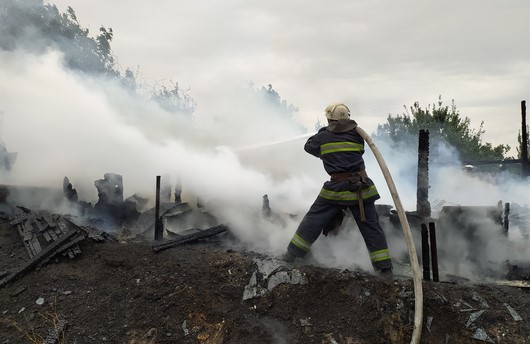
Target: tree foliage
35	26
174	99
445	124
272	97
520	144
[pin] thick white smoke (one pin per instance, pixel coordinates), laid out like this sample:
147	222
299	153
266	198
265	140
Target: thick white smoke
66	124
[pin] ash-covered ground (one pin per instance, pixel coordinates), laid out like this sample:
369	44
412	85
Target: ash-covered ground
203	292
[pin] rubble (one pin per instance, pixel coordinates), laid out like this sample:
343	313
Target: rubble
481	335
110	200
271	273
474	316
45	236
513	313
193	293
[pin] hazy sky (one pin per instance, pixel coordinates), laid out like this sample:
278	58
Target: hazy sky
375	55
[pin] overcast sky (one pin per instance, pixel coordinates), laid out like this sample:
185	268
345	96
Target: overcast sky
375	55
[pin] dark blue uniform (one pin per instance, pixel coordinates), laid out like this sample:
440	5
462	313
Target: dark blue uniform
340	148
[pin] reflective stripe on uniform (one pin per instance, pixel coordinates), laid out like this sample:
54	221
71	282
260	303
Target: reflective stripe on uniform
347	195
380	255
335	147
300	243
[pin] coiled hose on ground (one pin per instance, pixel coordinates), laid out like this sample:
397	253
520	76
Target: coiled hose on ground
418	292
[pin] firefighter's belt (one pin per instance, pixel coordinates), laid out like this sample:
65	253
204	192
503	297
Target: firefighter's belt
356	182
345	176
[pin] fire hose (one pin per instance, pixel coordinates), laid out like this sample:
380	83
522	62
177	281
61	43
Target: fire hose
418	292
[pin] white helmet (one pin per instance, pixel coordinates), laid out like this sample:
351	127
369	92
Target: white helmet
337	111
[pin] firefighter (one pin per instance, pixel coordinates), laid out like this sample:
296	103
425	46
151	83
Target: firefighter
340	148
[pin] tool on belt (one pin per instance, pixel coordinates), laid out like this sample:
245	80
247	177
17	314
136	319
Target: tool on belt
356	183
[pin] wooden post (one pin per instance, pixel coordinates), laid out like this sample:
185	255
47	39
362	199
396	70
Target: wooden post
425	252
158	223
423	207
506	222
524	142
434	252
178	190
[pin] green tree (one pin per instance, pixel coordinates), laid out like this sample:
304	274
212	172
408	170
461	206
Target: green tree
35	26
445	124
274	98
520	144
270	97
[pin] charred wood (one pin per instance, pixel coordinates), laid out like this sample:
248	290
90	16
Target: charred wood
48	251
206	233
69	192
423	207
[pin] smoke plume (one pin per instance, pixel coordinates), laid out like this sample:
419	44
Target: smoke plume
63	123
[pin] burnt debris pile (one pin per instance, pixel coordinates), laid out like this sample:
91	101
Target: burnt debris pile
48	236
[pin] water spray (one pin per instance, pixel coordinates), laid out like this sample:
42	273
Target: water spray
266	144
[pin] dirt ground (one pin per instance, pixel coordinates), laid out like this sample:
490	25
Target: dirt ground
124	292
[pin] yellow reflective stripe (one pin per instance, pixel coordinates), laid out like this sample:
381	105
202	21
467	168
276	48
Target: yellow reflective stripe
380	255
347	195
300	243
334	147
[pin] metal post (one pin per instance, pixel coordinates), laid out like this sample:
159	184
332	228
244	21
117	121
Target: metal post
158	223
524	141
434	252
425	252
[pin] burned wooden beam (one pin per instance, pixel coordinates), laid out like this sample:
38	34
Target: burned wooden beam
206	233
178	191
48	251
426	261
57	235
434	252
423	207
506	222
159	232
71	248
92	233
265	208
38	229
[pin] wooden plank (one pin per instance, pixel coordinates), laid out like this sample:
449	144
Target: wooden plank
191	238
63	227
53	234
36	244
48	252
39	225
47	236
